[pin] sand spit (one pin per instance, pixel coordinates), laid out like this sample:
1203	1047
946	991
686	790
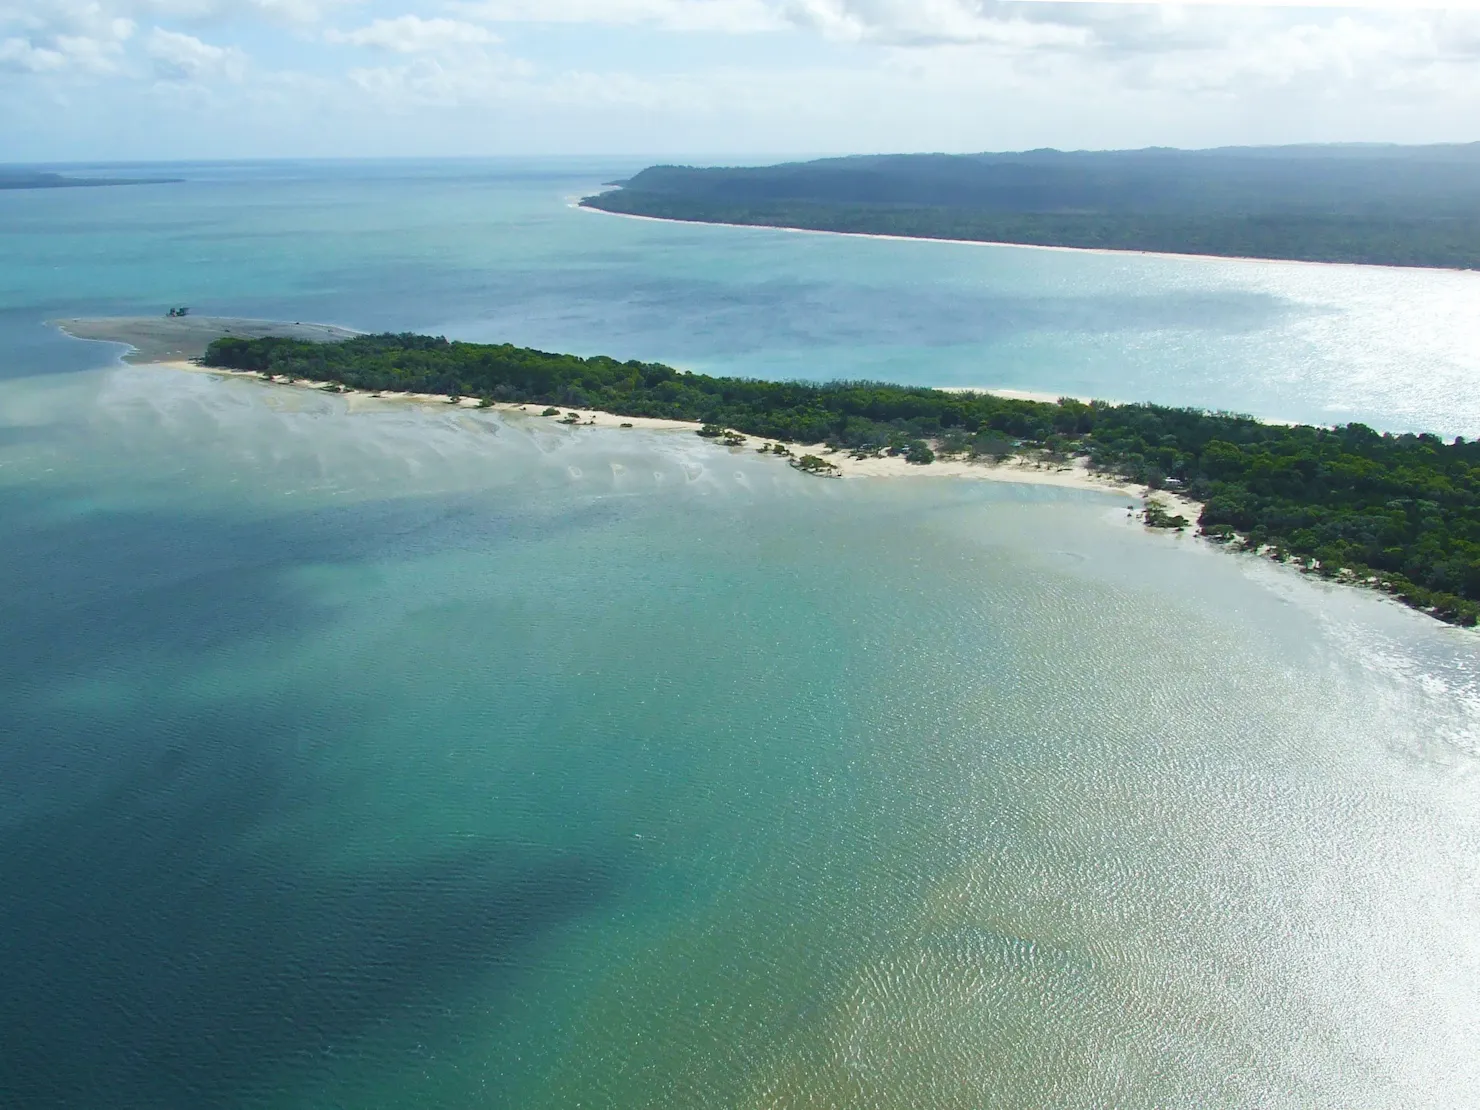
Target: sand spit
1024	470
359	400
175	341
159	339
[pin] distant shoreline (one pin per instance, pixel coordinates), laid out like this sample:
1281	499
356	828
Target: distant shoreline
1408	207
16	182
1107	251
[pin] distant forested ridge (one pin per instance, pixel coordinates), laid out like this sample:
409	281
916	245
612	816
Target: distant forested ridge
1387	205
32	179
1400	512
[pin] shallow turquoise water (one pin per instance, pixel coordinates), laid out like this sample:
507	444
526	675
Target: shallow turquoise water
404	758
494	251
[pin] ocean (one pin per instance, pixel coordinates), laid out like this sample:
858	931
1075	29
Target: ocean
419	758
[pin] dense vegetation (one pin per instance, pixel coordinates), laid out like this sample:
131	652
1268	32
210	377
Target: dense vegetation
1405	206
1398	511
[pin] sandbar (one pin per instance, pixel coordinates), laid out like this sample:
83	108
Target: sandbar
175	341
160	339
1020	469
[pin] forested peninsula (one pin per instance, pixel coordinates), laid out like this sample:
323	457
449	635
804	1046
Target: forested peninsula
1375	204
1398	513
34	179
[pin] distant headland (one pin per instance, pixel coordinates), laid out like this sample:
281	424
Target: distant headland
34	179
1395	513
1360	203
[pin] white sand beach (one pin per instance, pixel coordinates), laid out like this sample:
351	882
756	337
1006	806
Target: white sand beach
1111	252
1024	470
175	342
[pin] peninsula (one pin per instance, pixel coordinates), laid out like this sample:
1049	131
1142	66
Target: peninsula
1360	203
1399	513
35	179
1395	513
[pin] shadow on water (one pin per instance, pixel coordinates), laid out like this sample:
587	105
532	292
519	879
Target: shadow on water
152	956
166	940
90	598
126	603
81	586
19	435
84	586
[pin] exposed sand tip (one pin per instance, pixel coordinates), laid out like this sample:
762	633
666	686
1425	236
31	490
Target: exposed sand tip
179	338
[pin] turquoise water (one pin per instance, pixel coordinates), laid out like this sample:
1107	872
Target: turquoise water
493	251
397	757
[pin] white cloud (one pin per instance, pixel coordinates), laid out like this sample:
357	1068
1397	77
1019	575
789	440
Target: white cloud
759	74
22	56
482	82
78	36
1349	5
41	17
298	11
94	38
919	20
410	34
270	11
181	57
1104	26
725	16
925	22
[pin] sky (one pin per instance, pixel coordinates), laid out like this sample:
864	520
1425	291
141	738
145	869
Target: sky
726	80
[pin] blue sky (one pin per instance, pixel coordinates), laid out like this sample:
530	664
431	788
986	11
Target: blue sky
162	79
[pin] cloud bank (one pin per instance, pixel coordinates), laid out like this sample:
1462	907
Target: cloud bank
510	76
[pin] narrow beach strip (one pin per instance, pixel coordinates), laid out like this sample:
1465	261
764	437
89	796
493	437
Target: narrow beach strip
1021	469
1105	251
